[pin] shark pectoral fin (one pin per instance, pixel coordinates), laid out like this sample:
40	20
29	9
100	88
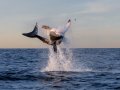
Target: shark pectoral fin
46	27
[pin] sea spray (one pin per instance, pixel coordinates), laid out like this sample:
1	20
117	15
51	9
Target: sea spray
59	61
63	60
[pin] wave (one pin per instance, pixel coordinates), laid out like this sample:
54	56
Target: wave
48	75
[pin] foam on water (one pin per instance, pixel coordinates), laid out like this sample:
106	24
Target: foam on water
58	61
63	60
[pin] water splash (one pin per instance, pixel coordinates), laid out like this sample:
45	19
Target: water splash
63	60
59	61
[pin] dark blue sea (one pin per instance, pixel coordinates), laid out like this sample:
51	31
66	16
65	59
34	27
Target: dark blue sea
20	69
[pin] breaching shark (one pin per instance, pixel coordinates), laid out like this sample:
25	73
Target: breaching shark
56	35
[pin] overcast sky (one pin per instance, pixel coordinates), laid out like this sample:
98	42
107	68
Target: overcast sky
97	22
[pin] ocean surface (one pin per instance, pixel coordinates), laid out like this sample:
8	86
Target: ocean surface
94	69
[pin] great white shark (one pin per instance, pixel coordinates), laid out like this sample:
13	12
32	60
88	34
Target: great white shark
56	35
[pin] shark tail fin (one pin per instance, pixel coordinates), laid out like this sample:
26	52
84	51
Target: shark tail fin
33	33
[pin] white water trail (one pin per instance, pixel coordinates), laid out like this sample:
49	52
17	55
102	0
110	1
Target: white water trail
63	60
58	61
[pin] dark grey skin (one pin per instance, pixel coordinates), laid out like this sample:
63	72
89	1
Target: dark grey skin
54	38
